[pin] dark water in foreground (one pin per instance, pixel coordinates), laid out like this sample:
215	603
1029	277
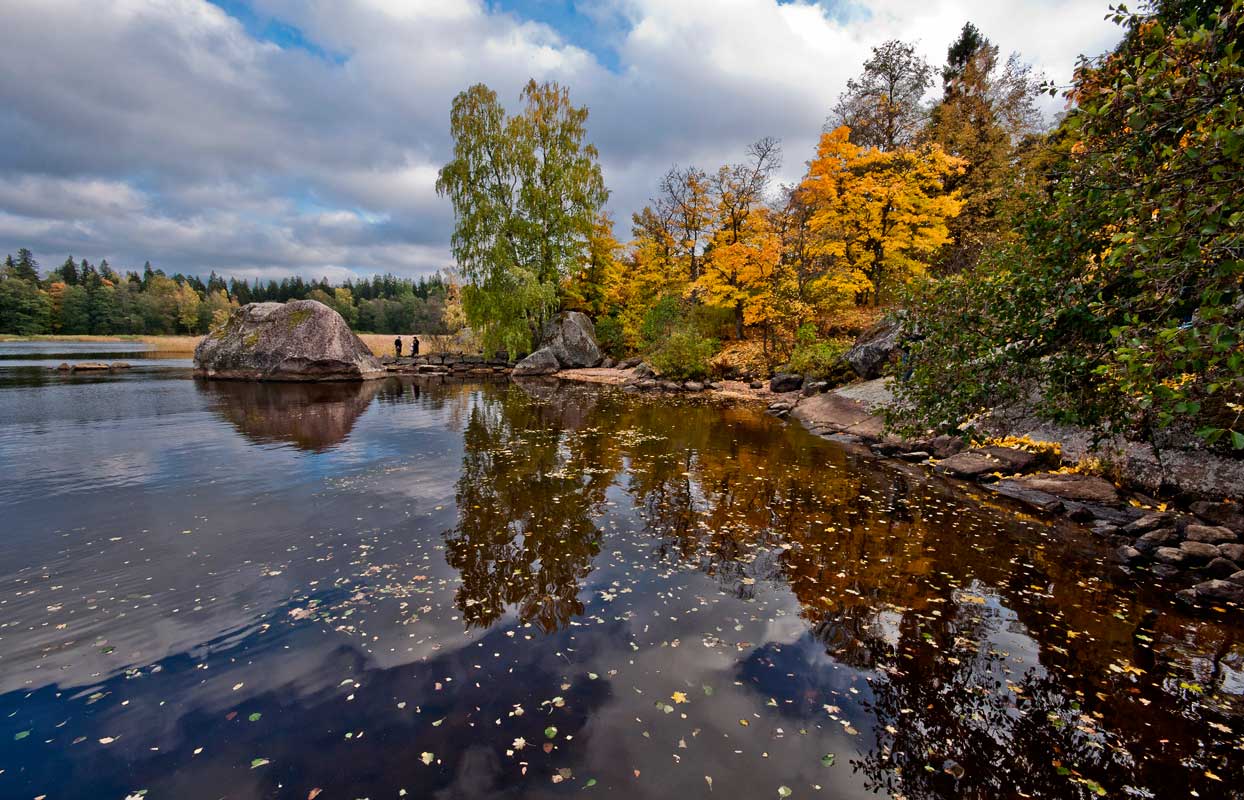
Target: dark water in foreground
214	590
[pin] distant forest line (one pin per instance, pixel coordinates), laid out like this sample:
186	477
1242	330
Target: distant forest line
83	298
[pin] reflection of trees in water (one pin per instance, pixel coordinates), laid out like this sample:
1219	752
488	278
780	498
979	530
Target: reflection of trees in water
894	574
526	498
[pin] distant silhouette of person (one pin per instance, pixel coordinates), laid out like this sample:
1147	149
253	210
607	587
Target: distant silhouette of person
397	345
414	345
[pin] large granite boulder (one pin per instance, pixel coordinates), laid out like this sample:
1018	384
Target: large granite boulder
874	349
541	362
297	341
571	338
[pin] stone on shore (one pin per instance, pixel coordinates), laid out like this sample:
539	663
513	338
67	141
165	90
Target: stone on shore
785	382
874	349
1210	534
971	464
1083	488
301	340
571	338
541	362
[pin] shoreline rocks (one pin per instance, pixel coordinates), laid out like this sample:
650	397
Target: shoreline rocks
302	340
1203	545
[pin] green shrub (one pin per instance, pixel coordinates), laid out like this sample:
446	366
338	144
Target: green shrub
818	358
661	320
610	337
684	355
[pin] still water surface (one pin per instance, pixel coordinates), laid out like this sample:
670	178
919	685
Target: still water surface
401	588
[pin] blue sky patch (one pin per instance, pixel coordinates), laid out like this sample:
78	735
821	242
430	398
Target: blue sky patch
270	29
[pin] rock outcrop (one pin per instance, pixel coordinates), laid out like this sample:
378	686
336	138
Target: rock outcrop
302	340
568	342
541	362
785	382
874	349
571	338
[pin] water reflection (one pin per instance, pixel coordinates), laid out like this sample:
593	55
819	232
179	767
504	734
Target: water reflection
429	576
1001	662
310	416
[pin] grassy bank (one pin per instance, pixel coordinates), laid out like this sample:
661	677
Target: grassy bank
172	344
381	344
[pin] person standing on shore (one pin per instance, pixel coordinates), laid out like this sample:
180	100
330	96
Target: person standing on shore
414	345
397	346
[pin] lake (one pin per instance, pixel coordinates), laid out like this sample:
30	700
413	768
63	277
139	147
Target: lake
407	588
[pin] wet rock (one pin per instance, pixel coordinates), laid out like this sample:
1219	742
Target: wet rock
89	366
1084	488
1237	577
755	385
119	365
1041	501
945	446
1079	512
914	456
968	465
1166	570
671	386
608	363
630	363
1235	552
1198	552
785	382
693	386
1129	555
1210	534
541	362
1227	514
301	340
1152	540
1171	555
1011	459
1220	590
1105	530
1220	568
874	350
814	387
64	366
1147	523
572	339
643	370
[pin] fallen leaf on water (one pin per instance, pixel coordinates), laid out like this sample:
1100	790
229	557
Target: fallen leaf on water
426	758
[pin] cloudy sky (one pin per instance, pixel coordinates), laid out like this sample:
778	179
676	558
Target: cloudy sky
275	137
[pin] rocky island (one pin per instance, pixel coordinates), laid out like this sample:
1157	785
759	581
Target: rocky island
302	340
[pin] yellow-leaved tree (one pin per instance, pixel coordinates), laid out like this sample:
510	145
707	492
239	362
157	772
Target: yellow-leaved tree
742	271
878	216
589	288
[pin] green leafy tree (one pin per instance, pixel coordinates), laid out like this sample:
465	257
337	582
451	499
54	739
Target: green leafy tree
1121	305
526	191
24	308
